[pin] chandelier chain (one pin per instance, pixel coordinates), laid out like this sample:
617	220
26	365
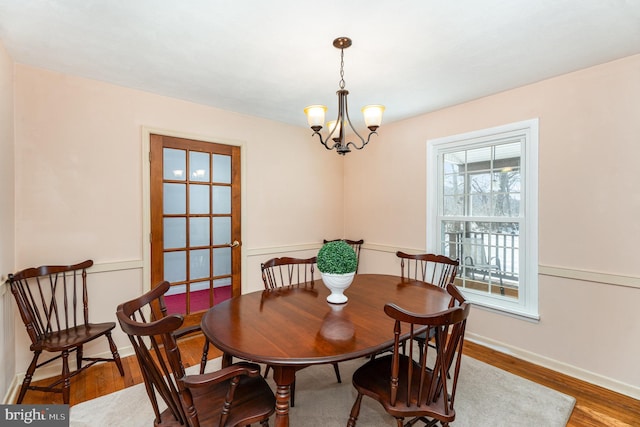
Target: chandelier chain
341	68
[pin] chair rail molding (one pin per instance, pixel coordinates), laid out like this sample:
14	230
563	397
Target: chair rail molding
590	276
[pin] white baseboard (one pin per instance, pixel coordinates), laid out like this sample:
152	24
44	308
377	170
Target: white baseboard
12	391
555	365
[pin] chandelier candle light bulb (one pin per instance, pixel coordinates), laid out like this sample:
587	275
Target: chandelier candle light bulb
316	114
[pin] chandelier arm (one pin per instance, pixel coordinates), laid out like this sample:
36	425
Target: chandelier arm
323	142
346	109
363	141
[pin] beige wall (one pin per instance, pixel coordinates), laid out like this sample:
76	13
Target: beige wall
79	186
589	205
7	204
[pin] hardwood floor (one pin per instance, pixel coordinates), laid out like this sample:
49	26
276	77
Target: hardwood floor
595	406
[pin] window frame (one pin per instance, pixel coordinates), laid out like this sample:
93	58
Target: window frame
526	305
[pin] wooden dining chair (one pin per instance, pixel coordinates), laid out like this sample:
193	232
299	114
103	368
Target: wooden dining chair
416	389
236	395
355	244
286	272
438	270
53	302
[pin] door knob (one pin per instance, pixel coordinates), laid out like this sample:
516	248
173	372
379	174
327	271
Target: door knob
235	244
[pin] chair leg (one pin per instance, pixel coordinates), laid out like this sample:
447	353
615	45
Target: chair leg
355	411
79	354
28	376
266	371
337	370
205	354
116	355
66	378
292	393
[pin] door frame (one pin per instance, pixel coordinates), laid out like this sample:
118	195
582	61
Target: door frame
146	196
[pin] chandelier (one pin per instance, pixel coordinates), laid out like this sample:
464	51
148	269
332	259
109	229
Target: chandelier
315	114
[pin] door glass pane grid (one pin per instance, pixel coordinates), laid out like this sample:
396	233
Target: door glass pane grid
196	199
199	166
199	231
221	169
174	164
221	230
205	221
175	232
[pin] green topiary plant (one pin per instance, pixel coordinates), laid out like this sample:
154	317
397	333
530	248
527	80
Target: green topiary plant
337	258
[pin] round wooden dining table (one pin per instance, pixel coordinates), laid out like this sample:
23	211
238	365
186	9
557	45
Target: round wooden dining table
293	327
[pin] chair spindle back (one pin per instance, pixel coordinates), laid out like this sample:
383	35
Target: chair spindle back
438	270
286	271
422	386
52	298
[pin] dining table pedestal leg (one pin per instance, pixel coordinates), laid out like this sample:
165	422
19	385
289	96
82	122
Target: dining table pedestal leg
227	360
283	376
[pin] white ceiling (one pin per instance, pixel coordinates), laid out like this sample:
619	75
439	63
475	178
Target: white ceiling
272	58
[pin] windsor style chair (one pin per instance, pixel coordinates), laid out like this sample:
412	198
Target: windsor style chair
53	301
436	269
236	395
416	389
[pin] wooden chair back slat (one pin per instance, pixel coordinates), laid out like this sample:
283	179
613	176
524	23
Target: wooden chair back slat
438	270
429	386
48	298
286	271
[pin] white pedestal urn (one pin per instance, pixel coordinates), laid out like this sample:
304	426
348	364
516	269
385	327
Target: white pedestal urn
337	263
337	283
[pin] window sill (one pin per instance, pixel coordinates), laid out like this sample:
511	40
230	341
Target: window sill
517	314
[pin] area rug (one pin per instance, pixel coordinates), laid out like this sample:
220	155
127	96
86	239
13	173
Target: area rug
487	396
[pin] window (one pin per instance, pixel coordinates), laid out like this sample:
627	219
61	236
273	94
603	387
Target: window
482	190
